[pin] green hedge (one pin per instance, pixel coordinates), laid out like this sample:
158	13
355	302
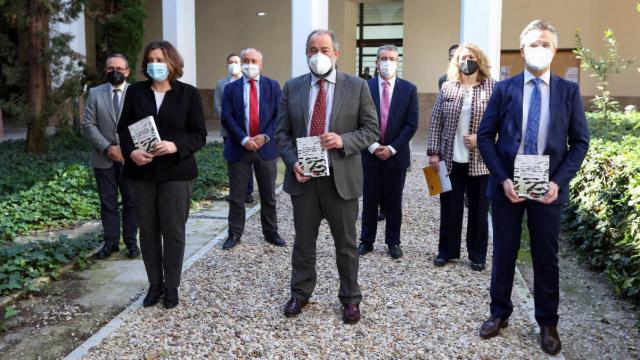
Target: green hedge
603	216
57	189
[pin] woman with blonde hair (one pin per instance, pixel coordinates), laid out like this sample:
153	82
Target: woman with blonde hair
454	124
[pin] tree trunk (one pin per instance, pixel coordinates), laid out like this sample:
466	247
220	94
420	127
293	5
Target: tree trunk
38	35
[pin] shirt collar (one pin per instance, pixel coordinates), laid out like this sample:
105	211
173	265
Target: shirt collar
391	81
246	79
119	87
330	78
546	77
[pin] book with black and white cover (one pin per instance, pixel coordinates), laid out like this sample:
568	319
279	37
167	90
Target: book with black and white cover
144	134
531	176
312	157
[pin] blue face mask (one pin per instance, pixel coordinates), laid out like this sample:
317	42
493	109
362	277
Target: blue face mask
157	71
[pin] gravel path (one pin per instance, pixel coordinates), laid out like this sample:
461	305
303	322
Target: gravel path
231	303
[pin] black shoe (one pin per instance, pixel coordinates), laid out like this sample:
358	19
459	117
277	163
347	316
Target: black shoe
364	248
106	251
133	252
249	199
153	295
380	216
231	242
477	266
550	340
439	261
170	298
395	251
275	239
491	327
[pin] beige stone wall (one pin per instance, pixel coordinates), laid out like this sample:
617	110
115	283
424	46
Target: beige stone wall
343	19
592	17
228	26
152	31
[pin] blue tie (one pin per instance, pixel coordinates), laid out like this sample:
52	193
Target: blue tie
533	120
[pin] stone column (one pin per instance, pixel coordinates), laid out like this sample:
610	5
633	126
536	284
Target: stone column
481	24
179	28
306	16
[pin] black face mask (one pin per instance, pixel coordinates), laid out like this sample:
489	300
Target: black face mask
469	67
115	77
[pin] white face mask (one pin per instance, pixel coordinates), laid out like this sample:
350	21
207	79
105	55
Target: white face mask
538	58
251	71
233	69
320	64
388	68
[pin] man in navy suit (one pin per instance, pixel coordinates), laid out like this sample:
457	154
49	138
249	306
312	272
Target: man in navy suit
385	162
533	113
249	113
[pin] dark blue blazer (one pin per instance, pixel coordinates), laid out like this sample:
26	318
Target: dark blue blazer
500	133
401	124
234	120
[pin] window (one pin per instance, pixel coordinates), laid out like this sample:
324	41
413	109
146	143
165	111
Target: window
378	24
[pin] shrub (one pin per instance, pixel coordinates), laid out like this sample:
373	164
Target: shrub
603	216
69	197
20	265
212	173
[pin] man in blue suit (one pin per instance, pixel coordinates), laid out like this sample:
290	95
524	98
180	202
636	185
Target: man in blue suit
249	113
385	162
533	113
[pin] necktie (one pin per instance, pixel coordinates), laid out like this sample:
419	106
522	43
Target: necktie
319	111
254	127
533	120
116	102
384	109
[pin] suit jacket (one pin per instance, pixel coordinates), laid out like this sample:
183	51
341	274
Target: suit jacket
500	133
180	120
353	117
217	102
234	118
100	121
446	116
402	123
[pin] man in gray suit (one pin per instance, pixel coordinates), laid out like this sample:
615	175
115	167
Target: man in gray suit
234	72
100	120
338	108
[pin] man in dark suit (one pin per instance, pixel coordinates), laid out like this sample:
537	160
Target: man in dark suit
338	108
99	123
533	113
249	114
443	78
385	162
234	72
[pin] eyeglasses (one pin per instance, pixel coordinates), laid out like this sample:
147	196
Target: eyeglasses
111	68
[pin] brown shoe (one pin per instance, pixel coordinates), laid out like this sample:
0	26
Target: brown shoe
491	327
550	340
351	313
294	306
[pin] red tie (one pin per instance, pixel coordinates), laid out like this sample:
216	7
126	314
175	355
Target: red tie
254	121
319	111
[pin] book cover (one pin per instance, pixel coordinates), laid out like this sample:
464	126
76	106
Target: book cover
144	134
313	158
531	176
437	180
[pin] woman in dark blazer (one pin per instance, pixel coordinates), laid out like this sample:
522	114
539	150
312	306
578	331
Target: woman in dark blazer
454	124
162	180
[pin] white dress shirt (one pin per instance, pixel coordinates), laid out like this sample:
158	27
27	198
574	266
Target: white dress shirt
460	151
247	100
392	84
545	91
329	90
121	88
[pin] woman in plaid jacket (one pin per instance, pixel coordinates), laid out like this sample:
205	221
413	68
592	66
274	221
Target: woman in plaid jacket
452	143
